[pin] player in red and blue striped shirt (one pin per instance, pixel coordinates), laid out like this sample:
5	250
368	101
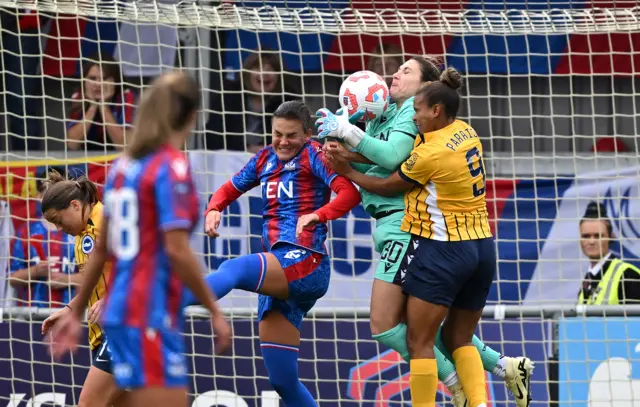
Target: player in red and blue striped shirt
294	271
39	253
42	260
151	208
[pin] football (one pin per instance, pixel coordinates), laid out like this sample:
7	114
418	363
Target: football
366	91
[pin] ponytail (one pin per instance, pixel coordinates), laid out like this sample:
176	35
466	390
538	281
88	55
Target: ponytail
60	191
165	108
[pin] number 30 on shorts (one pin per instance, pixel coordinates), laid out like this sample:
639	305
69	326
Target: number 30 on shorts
391	252
476	171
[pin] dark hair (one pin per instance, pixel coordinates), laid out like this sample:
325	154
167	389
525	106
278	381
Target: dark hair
597	211
430	68
386	51
41	176
295	110
256	62
165	108
110	69
60	191
444	92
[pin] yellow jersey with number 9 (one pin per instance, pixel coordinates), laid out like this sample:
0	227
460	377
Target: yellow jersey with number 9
85	244
447	202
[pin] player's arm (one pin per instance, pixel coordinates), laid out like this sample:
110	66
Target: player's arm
22	273
390	186
357	158
91	271
245	180
415	171
347	197
172	195
75	278
359	162
392	152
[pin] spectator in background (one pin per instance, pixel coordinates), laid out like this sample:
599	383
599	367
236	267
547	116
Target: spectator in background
243	114
385	61
42	260
21	47
609	281
101	109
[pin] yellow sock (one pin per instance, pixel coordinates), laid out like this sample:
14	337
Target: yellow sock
471	375
423	382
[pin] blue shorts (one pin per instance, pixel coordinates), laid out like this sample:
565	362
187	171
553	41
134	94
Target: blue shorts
101	356
308	273
146	357
452	274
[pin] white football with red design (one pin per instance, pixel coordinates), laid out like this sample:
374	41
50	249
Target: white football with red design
366	91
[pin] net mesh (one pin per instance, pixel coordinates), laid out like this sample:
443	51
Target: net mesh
551	87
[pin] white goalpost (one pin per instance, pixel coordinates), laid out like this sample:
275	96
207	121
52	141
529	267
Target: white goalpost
551	87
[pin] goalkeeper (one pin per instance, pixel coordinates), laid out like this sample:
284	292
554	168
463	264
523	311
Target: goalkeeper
379	151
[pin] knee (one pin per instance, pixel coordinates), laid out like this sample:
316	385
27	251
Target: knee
88	401
420	344
380	324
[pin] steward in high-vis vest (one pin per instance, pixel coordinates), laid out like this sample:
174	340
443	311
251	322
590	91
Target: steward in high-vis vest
609	281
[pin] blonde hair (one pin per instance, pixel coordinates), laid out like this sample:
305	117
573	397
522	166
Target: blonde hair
165	108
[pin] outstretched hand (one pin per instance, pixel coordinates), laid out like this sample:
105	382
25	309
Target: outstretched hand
338	161
335	125
64	336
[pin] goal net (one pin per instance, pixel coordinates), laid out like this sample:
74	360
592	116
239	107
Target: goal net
551	87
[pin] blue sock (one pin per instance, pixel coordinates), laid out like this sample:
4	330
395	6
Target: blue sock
281	362
245	272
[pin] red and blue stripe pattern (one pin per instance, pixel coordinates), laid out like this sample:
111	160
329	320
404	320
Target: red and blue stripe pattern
542	54
289	190
145	291
34	243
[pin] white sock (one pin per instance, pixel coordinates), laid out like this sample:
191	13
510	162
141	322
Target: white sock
501	367
451	380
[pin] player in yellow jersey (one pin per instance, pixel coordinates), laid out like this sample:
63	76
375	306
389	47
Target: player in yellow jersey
451	261
73	206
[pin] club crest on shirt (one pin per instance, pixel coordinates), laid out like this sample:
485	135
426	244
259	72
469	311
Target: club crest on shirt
411	161
268	166
87	244
290	166
179	167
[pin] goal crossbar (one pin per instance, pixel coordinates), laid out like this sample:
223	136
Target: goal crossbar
350	20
